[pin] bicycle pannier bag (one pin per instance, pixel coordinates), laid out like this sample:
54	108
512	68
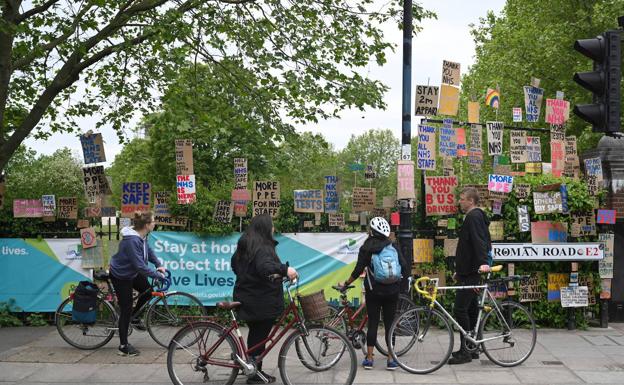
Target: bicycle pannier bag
84	309
386	266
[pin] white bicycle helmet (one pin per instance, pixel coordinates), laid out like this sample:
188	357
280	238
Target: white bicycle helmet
380	225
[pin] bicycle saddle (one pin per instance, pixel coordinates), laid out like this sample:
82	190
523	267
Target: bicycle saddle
101	275
228	305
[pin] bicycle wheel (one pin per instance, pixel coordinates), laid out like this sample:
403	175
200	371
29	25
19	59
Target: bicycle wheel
512	331
404	304
187	359
166	315
325	349
86	336
424	338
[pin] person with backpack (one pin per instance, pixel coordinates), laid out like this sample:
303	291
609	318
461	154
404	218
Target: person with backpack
387	272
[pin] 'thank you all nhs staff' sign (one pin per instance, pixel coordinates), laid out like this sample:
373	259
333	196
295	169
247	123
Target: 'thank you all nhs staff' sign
591	251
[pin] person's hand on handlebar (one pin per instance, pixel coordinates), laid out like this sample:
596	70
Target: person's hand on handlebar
484	269
292	273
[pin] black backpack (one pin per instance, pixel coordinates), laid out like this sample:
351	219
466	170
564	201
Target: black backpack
84	309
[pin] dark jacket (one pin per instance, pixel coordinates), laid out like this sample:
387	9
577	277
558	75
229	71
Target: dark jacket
261	298
132	257
373	245
473	245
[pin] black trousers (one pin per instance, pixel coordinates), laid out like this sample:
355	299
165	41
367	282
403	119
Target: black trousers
374	306
123	288
258	331
466	305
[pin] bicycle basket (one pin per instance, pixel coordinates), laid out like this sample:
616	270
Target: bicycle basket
314	306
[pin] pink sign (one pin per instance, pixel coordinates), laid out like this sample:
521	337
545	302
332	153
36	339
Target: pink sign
241	195
500	183
557	157
405	180
395	219
27	208
557	111
461	142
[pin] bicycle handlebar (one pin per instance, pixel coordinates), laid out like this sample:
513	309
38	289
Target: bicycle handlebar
342	289
163	284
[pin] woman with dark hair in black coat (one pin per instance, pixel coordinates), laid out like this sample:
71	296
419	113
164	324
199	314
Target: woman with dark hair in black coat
262	300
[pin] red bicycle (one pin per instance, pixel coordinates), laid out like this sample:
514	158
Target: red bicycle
207	352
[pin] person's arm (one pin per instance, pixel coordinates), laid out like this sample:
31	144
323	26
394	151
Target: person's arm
479	237
266	264
152	257
137	261
359	266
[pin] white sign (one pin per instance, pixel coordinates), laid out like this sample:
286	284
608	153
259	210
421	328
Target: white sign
587	251
605	267
574	296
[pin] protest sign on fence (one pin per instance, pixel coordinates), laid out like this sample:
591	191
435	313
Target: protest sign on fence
266	198
184	156
223	211
449	100
583	224
555	282
534	149
524	221
363	199
522	190
462	149
549	232
593	167
135	196
517	114
423	250
426	101
405	180
557	111
473	112
495	138
448	140
497	230
605	217
186	188
450	73
336	220
27	208
547	202
95	182
426	151
92	148
500	183
240	173
370	173
475	152
450	247
67	208
332	201
308	201
518	146
530	290
88	238
533	103
605	266
605	288
574	296
440	195
48	203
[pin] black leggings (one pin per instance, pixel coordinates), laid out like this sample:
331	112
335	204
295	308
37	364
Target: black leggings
466	306
375	304
123	288
258	331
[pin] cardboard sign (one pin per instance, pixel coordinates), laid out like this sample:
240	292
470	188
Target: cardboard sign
574	296
332	200
557	111
448	169
88	238
450	73
549	232
605	266
308	201
27	208
448	142
522	190
83	223
240	173
495	138
533	97
475	153
534	149
606	217
426	151
557	157
524	221
593	166
388	202
240	208
530	291
135	196
462	149
405	181
223	211
450	247
67	208
497	207
354	218
336	220
518	146
186	188
473	112
48	204
161	207
497	230
370	173
570	146
500	183
266	198
426	100
583	225
170	221
92	148
547	202
95	183
363	199
555	282
423	250
517	114
449	100
93	212
605	288
184	157
440	195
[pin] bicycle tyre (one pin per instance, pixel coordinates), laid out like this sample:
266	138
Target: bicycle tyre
166	315
185	363
86	336
331	344
403	304
411	329
523	325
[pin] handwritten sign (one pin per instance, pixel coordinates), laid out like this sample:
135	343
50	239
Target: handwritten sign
533	97
500	183
475	153
48	204
92	148
448	169
522	190
450	247
448	142
240	197
462	150
557	157
495	138
605	266
517	114
67	208
161	207
88	238
557	111
332	200
223	211
336	220
27	208
405	180
426	101
583	225
354	217
363	199
524	221
184	156
530	291
549	232
423	250
266	198
574	296
547	202
518	146
440	195
449	100
534	149
240	173
426	151
135	196
308	201
186	188
605	288
450	73
555	282
497	230
95	182
593	166
606	217
370	174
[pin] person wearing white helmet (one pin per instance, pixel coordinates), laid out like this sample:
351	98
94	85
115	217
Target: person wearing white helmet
386	269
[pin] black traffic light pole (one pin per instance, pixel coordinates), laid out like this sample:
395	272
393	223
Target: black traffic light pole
405	211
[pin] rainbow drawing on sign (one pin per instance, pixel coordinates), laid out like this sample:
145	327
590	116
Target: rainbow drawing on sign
492	98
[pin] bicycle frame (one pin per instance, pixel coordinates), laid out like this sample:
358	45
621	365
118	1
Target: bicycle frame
352	315
114	301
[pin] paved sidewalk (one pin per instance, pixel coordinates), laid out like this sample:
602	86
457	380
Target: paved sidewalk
40	356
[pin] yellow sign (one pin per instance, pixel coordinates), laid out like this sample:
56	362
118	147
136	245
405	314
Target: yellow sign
533	168
473	112
423	250
449	100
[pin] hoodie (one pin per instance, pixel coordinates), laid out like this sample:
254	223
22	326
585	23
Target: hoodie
474	244
132	257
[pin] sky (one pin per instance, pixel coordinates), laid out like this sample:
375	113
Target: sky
445	38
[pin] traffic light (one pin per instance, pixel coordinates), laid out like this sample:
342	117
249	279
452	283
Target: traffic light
603	81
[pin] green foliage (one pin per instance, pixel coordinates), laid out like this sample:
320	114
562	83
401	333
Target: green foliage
7	318
36	319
